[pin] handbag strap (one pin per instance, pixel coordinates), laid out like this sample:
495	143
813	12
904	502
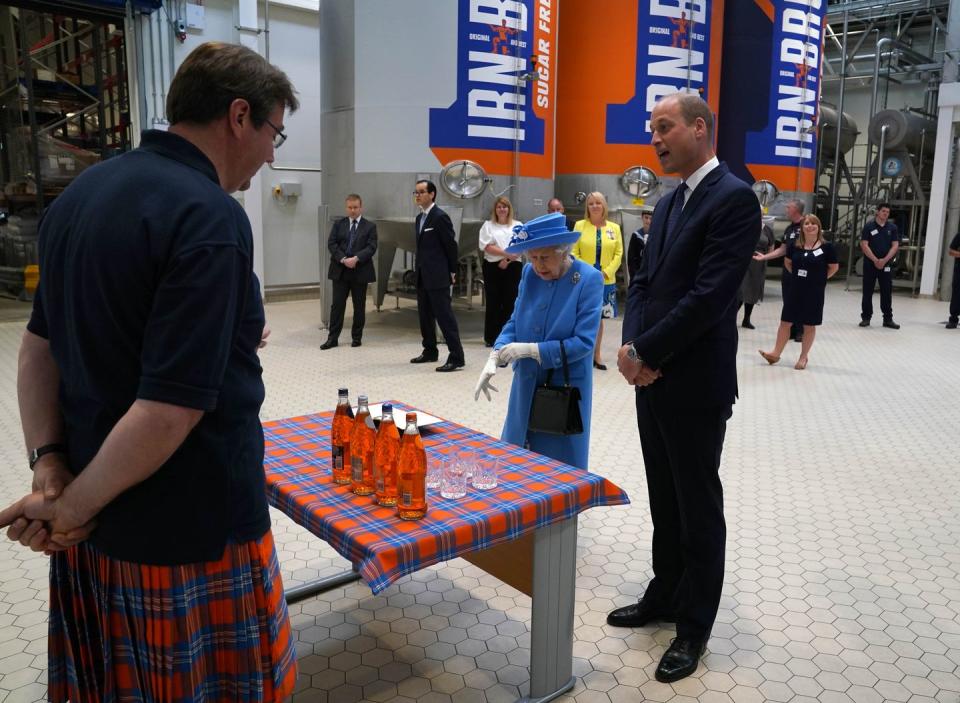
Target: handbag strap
566	368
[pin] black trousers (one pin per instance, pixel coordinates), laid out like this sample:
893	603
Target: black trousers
786	278
357	291
871	275
955	295
681	454
501	287
435	308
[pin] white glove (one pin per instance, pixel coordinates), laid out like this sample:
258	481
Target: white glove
489	371
509	353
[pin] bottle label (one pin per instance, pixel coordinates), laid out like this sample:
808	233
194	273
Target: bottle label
357	465
380	485
337	458
406	498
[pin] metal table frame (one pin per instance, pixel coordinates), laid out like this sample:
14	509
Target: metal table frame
552	578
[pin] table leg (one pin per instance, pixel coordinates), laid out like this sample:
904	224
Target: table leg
551	629
312	588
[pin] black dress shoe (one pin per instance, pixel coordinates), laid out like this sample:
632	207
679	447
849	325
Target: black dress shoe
599	367
355	343
450	366
748	325
890	324
951	324
798	338
680	660
424	358
864	323
329	344
638	615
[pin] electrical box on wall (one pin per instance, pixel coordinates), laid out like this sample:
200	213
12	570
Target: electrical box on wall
195	18
287	189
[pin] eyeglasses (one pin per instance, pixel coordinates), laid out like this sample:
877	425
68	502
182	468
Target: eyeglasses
279	138
420	192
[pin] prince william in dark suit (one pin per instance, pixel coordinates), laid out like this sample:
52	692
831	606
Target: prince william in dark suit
436	272
352	244
680	348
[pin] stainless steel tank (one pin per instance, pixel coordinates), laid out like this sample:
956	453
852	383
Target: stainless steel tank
828	121
388	109
906	131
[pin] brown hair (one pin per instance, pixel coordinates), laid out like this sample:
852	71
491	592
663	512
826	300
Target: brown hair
815	220
215	74
354	196
693	106
493	211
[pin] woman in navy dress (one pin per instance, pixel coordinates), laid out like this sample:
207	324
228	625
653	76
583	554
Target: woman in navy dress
811	260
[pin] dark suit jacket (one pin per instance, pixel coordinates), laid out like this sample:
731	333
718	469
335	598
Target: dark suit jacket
364	247
436	249
681	305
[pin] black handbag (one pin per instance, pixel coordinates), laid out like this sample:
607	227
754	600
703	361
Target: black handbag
556	409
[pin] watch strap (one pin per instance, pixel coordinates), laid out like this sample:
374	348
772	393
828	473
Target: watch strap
55	448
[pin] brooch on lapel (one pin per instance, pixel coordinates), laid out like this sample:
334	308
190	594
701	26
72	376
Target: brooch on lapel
575	277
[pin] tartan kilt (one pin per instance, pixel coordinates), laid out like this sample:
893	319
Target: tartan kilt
203	633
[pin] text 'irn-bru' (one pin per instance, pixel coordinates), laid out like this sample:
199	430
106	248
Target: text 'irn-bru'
412	473
386	453
362	441
340	438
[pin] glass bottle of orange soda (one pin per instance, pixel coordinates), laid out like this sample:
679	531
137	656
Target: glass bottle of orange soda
362	441
385	454
411	473
340	438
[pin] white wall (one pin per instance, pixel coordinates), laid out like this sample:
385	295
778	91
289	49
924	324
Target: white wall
290	245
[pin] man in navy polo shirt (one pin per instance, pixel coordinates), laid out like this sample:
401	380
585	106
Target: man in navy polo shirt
879	243
954	251
140	390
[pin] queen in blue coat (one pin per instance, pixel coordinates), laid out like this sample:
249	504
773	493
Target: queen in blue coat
559	301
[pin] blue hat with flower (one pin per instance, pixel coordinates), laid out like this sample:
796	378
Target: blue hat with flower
544	231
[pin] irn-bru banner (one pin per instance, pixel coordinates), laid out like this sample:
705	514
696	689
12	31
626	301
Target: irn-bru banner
496	108
619	58
769	106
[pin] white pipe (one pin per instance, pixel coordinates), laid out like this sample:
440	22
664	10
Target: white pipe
247	16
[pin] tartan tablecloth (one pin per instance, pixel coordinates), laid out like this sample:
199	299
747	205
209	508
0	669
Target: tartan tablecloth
533	491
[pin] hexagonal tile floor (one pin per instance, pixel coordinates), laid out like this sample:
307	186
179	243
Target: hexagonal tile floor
842	501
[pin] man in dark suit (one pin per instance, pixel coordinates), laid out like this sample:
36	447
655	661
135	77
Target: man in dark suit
352	244
680	347
556	205
638	241
436	272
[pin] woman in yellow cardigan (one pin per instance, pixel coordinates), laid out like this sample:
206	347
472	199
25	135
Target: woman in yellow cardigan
601	246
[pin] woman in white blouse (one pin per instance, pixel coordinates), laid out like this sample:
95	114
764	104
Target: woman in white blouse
501	271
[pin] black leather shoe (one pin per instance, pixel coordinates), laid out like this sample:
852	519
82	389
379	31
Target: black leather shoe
890	324
424	358
680	660
355	343
599	367
638	615
951	324
329	344
864	323
798	338
748	325
450	366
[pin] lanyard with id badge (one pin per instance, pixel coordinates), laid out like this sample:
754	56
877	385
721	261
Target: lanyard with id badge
802	272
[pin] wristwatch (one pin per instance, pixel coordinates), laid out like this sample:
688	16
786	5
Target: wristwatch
632	353
36	453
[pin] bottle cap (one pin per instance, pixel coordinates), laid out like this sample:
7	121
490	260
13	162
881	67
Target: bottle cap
387	409
361	399
343	391
411	417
